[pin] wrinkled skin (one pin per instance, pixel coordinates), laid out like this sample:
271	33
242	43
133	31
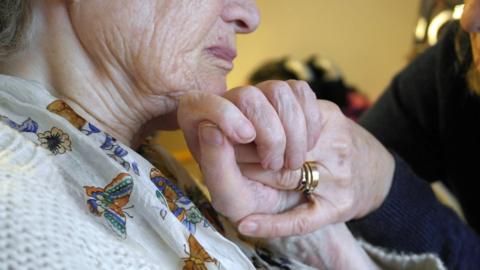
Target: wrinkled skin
127	66
162	44
257	179
252	178
251	173
124	64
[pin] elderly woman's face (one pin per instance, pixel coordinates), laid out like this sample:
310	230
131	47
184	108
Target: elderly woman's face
164	45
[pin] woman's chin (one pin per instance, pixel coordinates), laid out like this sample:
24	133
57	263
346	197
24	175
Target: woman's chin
216	85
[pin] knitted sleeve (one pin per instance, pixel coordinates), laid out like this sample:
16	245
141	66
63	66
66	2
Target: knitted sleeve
405	117
334	247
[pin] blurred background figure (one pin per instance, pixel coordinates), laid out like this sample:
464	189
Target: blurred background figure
323	76
433	16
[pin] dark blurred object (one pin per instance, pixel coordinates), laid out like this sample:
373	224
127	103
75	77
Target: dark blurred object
323	77
434	16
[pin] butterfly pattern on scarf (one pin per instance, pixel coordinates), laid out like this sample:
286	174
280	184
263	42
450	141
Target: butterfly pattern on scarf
28	125
109	202
197	256
178	203
62	109
212	219
110	145
54	140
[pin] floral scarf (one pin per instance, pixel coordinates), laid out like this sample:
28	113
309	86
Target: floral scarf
133	198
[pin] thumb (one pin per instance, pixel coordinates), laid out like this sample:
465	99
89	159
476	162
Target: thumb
221	173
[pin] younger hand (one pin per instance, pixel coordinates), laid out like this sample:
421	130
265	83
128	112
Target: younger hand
355	175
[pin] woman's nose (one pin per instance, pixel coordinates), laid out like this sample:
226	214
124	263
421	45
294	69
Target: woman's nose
471	16
243	14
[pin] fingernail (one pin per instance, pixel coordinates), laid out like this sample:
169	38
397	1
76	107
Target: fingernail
249	227
246	133
211	135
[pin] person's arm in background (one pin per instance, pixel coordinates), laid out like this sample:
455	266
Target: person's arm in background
406	119
412	220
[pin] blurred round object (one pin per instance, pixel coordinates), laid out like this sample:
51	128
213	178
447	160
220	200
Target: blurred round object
434	16
323	76
282	69
327	80
330	71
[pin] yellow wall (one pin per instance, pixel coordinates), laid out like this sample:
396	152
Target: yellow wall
367	39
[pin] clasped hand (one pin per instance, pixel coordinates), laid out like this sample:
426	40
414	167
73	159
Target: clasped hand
251	143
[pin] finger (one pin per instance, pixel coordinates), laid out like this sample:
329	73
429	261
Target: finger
281	97
301	220
284	179
270	136
220	172
313	116
195	107
233	195
246	153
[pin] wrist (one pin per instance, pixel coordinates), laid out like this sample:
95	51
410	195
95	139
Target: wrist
386	165
375	166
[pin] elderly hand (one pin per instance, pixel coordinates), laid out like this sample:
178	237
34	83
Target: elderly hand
281	117
251	184
355	177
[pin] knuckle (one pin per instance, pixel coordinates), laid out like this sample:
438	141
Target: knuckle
302	89
277	141
277	90
329	106
248	90
236	93
278	84
250	99
301	226
287	179
275	229
270	84
304	86
269	154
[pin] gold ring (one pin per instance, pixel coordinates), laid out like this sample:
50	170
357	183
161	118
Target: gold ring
310	176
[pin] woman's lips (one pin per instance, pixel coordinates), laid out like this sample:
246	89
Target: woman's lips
224	53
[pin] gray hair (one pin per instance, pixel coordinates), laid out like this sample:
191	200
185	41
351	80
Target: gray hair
15	16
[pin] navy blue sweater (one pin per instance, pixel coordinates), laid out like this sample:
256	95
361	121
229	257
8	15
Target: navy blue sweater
431	120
